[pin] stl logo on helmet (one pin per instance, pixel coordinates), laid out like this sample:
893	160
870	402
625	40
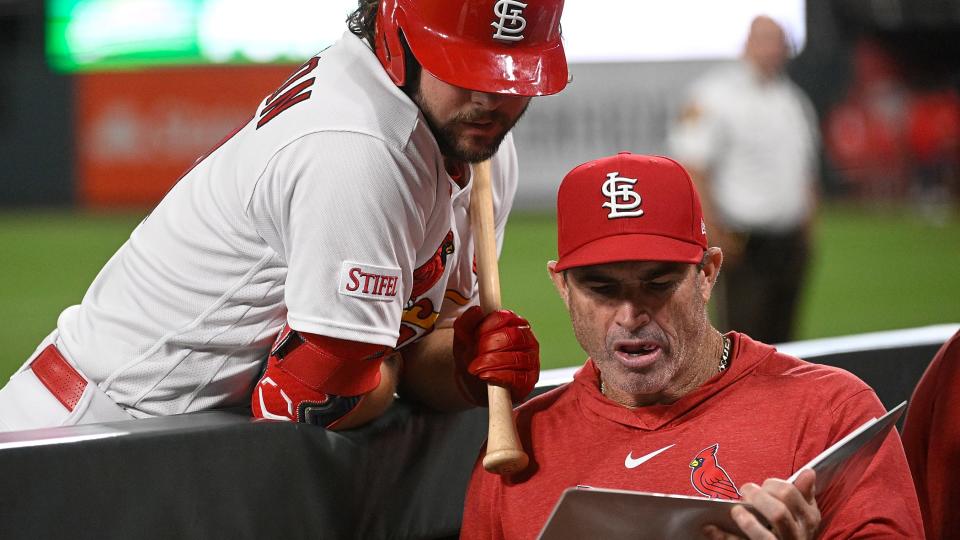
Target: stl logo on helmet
511	23
624	201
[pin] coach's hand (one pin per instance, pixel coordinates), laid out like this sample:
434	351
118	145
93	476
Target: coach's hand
790	509
498	349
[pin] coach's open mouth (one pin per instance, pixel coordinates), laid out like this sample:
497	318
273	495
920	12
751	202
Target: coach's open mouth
637	353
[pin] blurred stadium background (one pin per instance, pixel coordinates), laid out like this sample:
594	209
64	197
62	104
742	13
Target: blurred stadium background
104	103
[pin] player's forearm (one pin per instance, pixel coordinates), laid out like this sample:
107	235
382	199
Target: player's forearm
428	374
375	403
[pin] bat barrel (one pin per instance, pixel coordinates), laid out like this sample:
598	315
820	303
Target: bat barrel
505	454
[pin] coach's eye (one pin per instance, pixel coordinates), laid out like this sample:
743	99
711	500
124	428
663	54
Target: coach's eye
661	285
602	290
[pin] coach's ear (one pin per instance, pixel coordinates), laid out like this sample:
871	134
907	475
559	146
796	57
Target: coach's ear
710	269
559	282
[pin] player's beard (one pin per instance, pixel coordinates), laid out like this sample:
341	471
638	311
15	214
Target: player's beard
455	144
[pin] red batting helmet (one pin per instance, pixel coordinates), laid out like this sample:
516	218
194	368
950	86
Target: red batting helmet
497	46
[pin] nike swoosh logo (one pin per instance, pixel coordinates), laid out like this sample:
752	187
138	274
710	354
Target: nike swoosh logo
631	463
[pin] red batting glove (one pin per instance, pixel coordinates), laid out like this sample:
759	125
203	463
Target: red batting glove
499	349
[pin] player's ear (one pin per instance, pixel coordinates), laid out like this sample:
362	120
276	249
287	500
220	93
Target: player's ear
559	282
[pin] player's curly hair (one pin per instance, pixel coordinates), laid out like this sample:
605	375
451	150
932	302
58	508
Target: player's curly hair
363	21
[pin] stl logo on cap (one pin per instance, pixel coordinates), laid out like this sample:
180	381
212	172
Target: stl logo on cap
511	22
624	201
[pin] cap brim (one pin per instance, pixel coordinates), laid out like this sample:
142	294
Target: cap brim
501	69
632	247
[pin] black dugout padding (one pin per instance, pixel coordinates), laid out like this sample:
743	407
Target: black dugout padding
890	362
219	474
893	374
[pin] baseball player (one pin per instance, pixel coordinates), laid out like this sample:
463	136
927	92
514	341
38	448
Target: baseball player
318	259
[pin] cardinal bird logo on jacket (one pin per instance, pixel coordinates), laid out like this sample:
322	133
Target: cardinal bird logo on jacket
709	478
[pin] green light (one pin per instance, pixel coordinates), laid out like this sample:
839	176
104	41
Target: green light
87	35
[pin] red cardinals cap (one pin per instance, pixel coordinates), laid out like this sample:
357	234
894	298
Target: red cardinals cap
496	46
629	207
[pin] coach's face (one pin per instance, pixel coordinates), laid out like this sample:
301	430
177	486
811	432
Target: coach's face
468	125
645	325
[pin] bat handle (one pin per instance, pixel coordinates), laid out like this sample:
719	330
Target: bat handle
505	455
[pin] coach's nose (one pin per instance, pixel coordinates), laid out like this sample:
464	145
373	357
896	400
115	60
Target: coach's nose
632	315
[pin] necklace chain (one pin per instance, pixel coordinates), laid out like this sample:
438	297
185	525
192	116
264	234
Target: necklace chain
721	367
725	355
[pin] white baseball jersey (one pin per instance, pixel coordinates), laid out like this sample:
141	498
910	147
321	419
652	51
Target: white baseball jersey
331	209
758	141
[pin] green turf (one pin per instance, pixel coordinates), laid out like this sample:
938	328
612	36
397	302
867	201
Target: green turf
874	270
881	270
49	259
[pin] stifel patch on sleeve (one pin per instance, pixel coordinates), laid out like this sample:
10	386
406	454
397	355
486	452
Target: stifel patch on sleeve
369	281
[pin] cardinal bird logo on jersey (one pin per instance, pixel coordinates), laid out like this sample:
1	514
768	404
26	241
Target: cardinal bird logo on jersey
709	478
420	314
428	274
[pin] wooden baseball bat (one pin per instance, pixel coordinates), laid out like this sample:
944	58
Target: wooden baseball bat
505	455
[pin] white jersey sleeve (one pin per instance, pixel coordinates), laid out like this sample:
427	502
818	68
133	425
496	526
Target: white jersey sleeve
346	213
